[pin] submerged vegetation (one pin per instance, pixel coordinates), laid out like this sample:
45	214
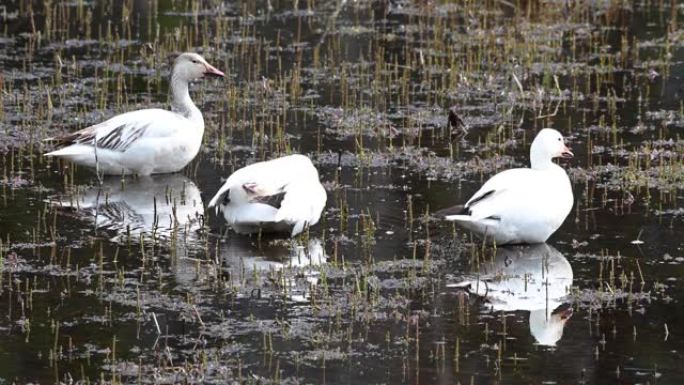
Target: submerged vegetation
131	281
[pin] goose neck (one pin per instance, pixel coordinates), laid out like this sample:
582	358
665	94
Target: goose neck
541	162
180	99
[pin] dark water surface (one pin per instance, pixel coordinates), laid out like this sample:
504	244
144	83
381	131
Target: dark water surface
133	282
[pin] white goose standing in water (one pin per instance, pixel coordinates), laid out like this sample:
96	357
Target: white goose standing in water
279	195
521	205
149	141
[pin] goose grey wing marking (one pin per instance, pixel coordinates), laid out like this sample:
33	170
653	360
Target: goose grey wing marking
275	200
118	139
453	210
259	195
479	199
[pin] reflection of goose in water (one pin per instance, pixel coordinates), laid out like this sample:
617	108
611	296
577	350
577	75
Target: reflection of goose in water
534	278
156	205
250	266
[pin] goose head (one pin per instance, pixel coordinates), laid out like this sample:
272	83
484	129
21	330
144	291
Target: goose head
548	144
190	66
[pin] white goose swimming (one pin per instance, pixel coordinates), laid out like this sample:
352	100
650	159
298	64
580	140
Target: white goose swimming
521	205
148	141
279	195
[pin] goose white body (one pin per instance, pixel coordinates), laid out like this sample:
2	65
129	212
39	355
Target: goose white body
527	206
170	141
522	205
246	198
149	141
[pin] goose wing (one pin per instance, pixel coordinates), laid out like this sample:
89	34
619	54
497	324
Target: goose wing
497	196
122	131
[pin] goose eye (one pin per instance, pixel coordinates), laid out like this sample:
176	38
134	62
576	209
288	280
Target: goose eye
195	61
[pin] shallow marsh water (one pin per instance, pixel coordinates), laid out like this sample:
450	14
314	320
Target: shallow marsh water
133	282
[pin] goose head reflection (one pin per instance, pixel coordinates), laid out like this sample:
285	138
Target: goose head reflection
157	205
274	268
534	278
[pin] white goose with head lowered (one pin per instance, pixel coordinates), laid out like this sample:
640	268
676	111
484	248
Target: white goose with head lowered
149	141
521	205
279	195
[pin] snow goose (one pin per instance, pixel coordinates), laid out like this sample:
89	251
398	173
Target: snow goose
535	278
279	195
149	141
521	205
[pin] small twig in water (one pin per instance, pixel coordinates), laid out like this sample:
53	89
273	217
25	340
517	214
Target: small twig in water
198	315
520	87
156	323
638	241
